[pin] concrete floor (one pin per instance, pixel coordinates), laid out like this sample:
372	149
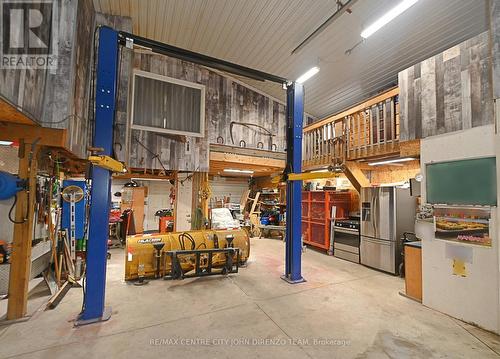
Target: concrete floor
356	311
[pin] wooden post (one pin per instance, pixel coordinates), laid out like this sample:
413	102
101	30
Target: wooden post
176	186
204	200
20	266
355	175
200	185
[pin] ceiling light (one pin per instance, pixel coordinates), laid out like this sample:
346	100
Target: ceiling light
6	143
238	171
309	73
391	161
387	17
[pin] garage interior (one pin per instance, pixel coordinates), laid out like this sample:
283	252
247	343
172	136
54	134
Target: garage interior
283	178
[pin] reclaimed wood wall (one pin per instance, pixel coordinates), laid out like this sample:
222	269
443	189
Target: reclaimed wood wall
61	99
58	98
125	57
494	9
448	92
79	126
42	94
81	113
230	109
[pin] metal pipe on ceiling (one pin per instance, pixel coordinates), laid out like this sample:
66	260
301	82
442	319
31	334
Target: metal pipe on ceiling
197	58
341	9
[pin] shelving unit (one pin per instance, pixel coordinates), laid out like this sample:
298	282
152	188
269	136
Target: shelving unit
316	215
272	201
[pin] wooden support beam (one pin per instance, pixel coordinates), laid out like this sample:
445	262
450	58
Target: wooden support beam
243	159
139	174
20	266
204	198
199	198
409	148
355	175
254	152
50	137
10	113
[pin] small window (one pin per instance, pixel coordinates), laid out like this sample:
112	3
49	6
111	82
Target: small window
167	105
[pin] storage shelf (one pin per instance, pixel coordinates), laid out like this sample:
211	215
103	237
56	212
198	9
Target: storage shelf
315	244
317	204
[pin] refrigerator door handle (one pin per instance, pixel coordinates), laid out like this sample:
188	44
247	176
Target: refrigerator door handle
375	211
372	221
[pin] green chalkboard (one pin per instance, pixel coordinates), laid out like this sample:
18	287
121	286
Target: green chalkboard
465	182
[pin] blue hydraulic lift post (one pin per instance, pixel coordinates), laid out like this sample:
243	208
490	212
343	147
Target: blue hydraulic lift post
105	102
97	244
295	118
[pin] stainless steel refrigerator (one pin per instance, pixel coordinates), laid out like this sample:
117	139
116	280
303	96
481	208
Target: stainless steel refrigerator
386	213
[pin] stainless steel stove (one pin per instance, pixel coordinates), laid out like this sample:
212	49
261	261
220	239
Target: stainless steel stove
346	239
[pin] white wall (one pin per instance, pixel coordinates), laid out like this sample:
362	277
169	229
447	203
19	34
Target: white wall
158	198
474	298
228	186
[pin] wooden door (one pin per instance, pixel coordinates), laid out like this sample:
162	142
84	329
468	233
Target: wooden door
133	198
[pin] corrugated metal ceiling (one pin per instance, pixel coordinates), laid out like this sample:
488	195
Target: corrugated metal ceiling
262	33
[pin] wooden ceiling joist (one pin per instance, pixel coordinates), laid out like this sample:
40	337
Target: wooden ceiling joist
51	137
261	162
247	160
10	113
147	176
254	152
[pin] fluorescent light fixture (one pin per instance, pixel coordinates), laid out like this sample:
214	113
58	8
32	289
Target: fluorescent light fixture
387	17
396	160
309	73
6	143
238	171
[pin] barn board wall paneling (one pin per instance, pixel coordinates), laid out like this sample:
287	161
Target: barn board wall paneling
79	126
39	92
448	92
495	38
229	108
125	68
27	88
58	98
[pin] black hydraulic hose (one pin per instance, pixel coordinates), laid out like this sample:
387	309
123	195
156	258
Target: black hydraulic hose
10	212
191	239
181	243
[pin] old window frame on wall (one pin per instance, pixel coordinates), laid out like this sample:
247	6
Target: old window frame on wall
175	81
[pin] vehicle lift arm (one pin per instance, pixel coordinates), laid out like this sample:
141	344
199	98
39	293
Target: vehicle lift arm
94	309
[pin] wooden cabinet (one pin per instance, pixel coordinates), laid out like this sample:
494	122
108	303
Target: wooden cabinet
413	271
317	214
133	198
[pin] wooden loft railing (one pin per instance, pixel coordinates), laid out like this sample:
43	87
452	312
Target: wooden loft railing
367	130
324	144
